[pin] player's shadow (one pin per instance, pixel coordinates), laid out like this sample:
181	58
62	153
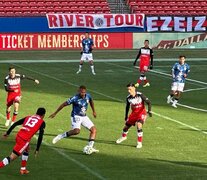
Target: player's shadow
182	163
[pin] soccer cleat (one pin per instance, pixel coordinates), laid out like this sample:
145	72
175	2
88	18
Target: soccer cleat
93	73
121	139
78	71
12	123
25	171
146	84
57	138
174	105
7	123
139	145
136	85
169	99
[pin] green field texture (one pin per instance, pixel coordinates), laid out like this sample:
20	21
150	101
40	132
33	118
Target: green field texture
174	144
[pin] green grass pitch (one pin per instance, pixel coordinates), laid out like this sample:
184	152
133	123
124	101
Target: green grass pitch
175	140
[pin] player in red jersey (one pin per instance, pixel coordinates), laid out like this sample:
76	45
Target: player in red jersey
30	125
13	87
146	60
138	115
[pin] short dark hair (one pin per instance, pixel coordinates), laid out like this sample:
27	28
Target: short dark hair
146	40
11	67
130	85
82	87
41	111
182	56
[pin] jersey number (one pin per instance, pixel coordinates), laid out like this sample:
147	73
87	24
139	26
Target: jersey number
31	122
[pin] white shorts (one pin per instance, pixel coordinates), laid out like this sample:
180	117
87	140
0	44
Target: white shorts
176	86
77	121
87	57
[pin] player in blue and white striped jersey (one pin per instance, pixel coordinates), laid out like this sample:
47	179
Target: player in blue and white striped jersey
180	71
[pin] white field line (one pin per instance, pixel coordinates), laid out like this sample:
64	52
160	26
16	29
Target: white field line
96	61
119	100
68	157
196	89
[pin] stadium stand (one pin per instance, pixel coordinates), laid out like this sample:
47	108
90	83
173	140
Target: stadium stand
42	7
168	7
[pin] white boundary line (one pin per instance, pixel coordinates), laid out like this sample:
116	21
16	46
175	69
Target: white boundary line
68	157
196	89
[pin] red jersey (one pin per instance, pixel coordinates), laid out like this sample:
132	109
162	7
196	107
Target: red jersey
30	126
13	84
136	103
145	54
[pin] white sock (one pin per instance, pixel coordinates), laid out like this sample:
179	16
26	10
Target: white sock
80	67
92	68
91	143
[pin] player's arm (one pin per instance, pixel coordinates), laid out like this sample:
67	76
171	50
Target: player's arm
187	71
148	102
91	48
30	78
151	58
40	137
17	123
92	107
6	86
58	109
138	55
127	110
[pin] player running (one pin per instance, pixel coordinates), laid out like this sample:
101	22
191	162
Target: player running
180	71
30	125
146	60
138	115
13	87
78	117
86	53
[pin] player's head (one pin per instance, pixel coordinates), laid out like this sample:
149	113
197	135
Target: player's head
82	91
86	35
12	71
41	111
131	89
182	59
146	43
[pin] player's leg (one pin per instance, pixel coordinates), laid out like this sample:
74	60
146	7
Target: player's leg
6	161
177	94
124	134
146	81
174	88
139	133
90	57
16	109
25	156
83	58
76	126
8	111
140	79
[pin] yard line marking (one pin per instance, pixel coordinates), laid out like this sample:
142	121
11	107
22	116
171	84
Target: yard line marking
190	107
196	89
68	157
119	100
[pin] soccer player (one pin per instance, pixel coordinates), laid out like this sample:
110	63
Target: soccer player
180	71
13	87
86	53
78	117
146	60
30	125
138	115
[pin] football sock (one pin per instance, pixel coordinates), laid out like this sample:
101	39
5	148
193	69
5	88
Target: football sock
124	134
92	68
5	162
141	78
14	116
80	67
64	135
175	101
25	156
7	115
139	135
91	142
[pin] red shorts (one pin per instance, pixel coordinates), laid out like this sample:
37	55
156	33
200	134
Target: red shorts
143	66
134	117
11	98
21	145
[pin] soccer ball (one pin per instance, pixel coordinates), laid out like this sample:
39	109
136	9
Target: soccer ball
87	150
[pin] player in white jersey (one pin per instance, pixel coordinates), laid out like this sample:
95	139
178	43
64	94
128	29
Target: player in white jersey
180	71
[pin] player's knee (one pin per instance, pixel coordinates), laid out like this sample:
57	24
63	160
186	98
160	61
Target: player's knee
93	130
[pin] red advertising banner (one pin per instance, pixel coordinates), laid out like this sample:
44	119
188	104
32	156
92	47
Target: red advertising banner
46	41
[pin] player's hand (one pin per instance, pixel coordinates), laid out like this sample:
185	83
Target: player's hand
52	115
184	75
149	113
94	114
151	67
37	81
36	153
16	90
5	136
134	63
81	52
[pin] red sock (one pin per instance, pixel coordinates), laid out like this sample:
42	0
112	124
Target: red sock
14	117
24	164
139	81
139	139
1	164
8	115
146	81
